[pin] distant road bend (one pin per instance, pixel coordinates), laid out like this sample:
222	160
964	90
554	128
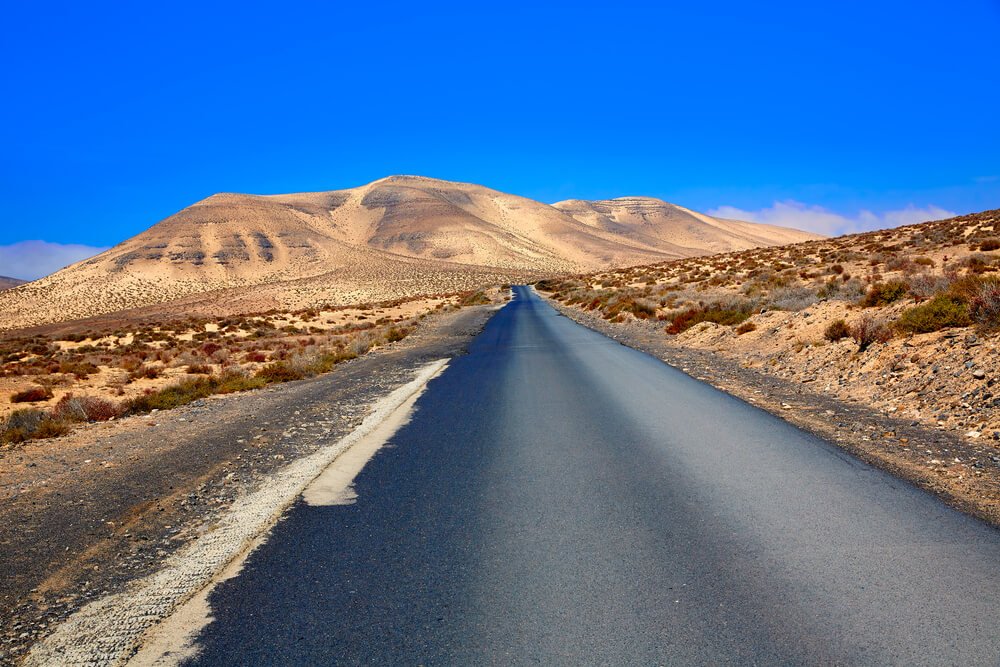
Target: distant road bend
558	498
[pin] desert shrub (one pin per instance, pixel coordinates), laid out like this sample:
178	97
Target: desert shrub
84	408
989	245
279	371
144	371
257	357
31	424
80	369
731	314
829	289
172	396
883	294
31	395
925	286
474	299
199	369
837	330
984	305
941	312
852	289
238	379
746	327
868	330
618	304
395	334
837	269
360	344
792	298
923	261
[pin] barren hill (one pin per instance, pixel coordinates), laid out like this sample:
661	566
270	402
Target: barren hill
396	237
7	283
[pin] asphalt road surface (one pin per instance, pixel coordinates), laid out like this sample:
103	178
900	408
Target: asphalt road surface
561	499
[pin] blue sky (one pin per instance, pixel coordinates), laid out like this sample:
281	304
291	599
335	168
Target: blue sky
832	116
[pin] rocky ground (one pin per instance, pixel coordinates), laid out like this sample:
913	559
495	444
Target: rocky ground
962	470
85	514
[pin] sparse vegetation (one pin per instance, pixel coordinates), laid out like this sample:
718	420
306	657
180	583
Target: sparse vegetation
883	294
32	395
868	330
837	330
161	366
941	312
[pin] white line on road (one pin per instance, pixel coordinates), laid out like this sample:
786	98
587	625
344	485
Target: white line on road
108	631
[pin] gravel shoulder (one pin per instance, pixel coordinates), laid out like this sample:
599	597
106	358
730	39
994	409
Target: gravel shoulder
83	515
965	474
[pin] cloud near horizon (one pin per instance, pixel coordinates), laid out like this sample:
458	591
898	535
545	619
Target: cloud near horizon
31	260
811	218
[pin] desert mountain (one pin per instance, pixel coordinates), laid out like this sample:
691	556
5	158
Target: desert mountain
7	283
675	229
396	237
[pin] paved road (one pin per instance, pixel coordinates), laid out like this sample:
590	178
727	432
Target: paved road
561	499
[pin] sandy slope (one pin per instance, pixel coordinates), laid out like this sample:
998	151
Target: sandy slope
398	236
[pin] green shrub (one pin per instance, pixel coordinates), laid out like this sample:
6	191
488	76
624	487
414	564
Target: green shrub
944	311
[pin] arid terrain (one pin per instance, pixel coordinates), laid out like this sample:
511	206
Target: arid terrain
905	321
396	238
7	283
53	381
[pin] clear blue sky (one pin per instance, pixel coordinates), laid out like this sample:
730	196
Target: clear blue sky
115	115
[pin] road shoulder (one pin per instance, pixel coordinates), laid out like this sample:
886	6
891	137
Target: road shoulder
965	475
85	516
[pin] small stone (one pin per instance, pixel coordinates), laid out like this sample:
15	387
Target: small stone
979	374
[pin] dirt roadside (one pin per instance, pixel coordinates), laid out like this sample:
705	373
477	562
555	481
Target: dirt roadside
83	515
965	474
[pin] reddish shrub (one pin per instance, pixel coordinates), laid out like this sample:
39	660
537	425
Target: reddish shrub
984	305
31	395
870	330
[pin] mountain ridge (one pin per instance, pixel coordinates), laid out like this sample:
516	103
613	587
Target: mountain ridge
395	237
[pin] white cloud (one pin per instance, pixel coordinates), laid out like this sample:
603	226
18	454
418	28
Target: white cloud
30	260
791	213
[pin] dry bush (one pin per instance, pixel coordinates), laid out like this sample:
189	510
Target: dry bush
883	294
984	305
868	330
84	409
144	372
32	395
989	245
30	424
792	298
925	286
837	330
730	312
746	327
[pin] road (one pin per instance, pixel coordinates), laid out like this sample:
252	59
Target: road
558	498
